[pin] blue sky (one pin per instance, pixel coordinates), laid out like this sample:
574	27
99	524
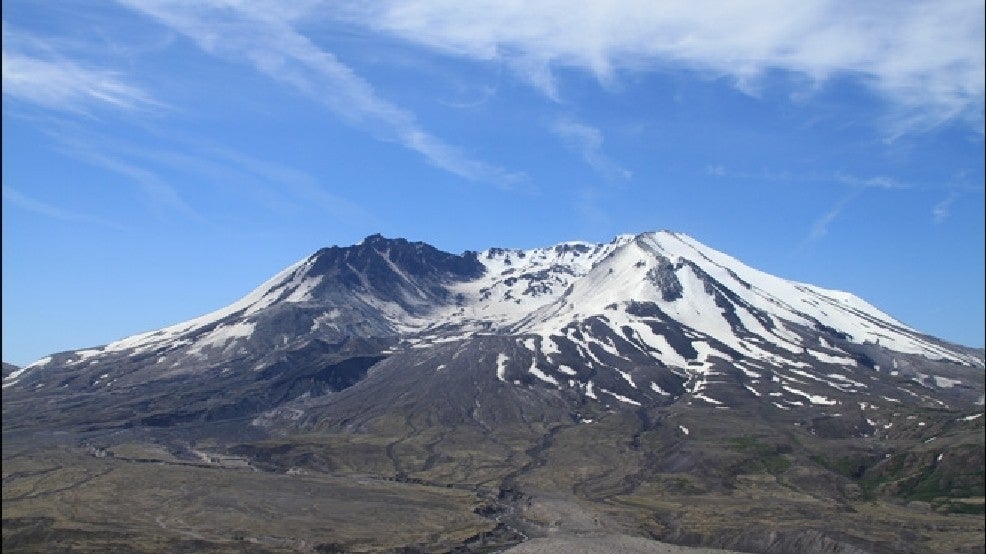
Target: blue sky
160	159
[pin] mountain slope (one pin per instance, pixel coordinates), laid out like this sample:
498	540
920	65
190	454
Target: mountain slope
650	367
643	320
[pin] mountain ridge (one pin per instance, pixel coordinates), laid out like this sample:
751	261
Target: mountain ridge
651	380
658	297
466	256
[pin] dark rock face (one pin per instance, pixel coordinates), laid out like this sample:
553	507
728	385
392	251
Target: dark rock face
663	277
408	273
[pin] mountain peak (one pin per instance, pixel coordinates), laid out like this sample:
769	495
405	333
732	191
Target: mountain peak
378	240
371	239
658	300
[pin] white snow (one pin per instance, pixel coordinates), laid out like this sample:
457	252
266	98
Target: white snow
846	380
797	302
38	363
17	373
710	400
566	370
549	293
260	298
830	359
627	377
221	335
656	388
12	378
303	290
748	373
945	382
543	376
620	397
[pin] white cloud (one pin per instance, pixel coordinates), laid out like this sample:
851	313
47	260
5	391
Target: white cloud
63	85
820	227
840	177
293	184
588	141
925	56
47	79
45	209
265	36
879	181
157	193
943	209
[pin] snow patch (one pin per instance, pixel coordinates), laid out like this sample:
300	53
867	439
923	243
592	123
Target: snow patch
566	370
945	382
501	366
621	398
816	399
830	359
654	387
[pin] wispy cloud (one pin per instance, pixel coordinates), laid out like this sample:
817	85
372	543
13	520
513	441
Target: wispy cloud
154	170
38	74
925	56
839	177
51	211
820	227
943	209
587	203
715	170
588	141
159	196
297	184
877	181
477	98
265	37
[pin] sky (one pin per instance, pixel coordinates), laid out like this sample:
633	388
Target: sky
162	158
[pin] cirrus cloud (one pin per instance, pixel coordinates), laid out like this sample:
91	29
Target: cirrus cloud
924	57
36	73
265	36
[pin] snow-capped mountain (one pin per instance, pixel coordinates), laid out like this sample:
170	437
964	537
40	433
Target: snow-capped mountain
643	320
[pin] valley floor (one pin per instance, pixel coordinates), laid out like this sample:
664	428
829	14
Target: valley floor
150	497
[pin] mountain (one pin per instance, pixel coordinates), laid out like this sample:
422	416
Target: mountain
649	365
8	369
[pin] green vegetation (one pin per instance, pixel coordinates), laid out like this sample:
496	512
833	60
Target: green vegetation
852	467
760	456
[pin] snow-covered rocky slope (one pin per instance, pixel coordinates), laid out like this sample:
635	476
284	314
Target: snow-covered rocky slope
642	320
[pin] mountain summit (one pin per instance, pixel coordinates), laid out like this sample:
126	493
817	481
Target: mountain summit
529	370
641	320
